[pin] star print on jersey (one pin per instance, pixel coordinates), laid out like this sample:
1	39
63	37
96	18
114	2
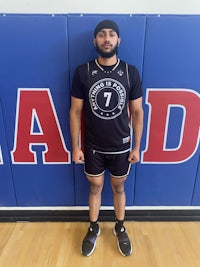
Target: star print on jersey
120	72
107	98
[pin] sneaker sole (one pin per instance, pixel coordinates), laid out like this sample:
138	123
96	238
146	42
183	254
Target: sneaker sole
98	234
115	234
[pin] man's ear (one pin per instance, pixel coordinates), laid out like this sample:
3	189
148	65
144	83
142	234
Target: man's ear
94	42
119	41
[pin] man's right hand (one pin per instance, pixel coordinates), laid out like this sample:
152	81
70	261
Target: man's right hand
78	156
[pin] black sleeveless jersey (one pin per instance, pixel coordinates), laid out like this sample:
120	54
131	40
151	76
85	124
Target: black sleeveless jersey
106	92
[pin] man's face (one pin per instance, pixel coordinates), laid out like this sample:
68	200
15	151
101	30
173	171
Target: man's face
106	43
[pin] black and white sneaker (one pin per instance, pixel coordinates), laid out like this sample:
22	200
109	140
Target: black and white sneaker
89	241
123	242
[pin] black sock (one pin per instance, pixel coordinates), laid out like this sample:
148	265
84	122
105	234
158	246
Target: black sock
119	224
94	225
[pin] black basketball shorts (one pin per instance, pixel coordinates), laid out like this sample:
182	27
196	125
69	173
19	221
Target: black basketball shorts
97	162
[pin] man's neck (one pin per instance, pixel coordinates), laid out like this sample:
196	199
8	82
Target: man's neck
107	61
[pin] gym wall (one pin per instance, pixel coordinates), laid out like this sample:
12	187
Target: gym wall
38	55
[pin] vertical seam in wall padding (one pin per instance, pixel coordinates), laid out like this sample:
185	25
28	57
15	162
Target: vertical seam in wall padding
6	140
198	166
145	31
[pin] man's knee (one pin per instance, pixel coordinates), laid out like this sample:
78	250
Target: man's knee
118	188
96	184
95	188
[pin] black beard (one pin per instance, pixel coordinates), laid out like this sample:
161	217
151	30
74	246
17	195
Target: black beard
107	54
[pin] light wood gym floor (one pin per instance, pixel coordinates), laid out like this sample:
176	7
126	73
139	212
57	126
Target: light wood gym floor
57	244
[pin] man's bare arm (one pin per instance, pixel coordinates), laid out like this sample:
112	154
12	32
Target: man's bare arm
75	128
137	125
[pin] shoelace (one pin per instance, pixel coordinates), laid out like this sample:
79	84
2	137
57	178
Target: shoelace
91	235
122	236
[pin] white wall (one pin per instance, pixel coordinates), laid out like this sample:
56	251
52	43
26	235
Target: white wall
101	6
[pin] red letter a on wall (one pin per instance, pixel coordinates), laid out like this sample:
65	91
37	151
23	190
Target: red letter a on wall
160	103
36	105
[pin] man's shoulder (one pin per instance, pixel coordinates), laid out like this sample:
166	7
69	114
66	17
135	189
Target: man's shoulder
85	64
129	65
83	67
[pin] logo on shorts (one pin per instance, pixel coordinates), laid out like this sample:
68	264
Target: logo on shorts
107	98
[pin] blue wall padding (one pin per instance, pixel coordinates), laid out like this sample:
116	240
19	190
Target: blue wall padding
34	53
171	60
41	52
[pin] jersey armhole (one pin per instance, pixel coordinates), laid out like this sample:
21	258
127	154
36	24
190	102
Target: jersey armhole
127	74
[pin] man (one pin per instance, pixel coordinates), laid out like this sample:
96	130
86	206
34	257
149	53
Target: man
108	89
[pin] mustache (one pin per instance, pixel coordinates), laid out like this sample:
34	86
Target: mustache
106	43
